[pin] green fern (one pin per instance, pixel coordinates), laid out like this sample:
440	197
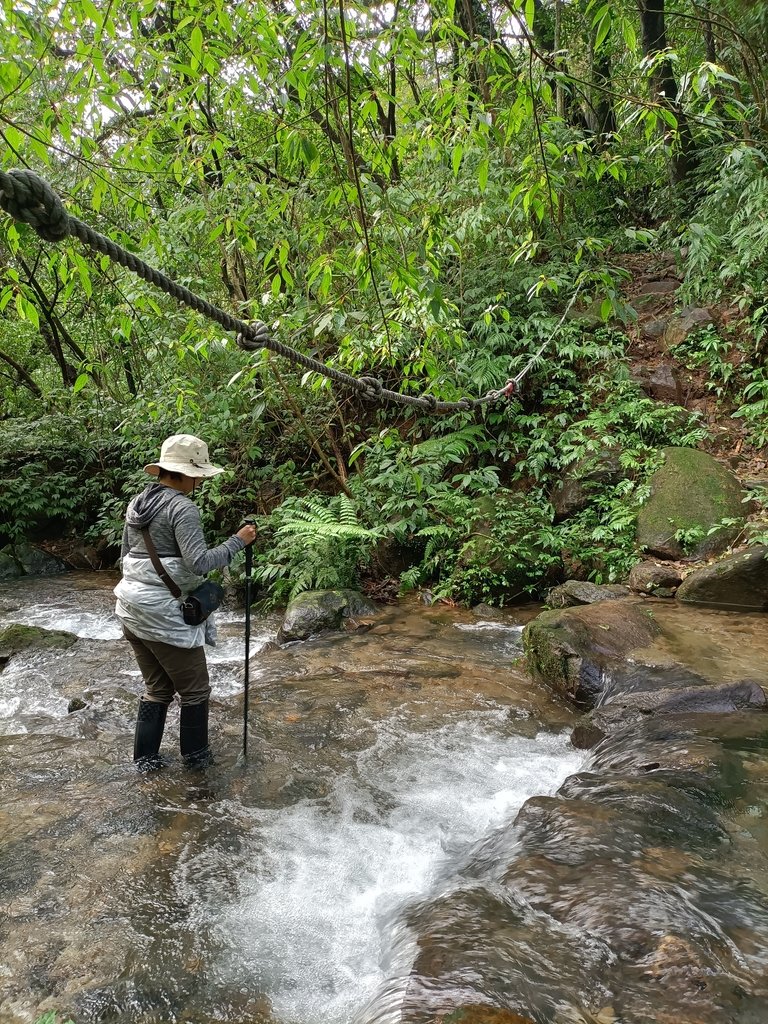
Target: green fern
319	544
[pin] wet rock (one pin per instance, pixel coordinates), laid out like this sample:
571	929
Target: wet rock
576	592
739	582
627	709
571	650
487	612
75	552
483	950
484	1015
583	480
17	638
654	578
121	998
23	560
317	610
690	494
692	318
668	750
615	817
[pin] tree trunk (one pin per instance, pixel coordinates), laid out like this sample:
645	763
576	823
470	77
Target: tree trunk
24	377
654	36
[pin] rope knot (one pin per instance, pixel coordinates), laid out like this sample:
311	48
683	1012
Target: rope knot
253	336
373	387
30	199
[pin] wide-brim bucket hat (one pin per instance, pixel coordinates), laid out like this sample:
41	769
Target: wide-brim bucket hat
184	453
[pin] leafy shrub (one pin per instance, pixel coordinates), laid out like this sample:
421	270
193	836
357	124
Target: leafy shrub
316	545
51	477
754	409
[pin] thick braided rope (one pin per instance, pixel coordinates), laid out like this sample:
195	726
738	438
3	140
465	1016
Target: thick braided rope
30	199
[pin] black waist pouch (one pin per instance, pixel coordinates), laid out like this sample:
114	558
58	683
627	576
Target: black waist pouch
201	602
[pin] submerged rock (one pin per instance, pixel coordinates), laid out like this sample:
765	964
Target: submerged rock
628	709
690	495
317	610
739	582
570	650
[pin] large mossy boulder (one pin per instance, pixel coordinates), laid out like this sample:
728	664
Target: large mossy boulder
736	583
315	611
574	650
690	494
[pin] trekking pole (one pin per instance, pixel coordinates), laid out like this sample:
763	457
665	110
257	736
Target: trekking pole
248	569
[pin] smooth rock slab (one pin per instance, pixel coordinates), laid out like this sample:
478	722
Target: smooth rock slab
631	708
739	582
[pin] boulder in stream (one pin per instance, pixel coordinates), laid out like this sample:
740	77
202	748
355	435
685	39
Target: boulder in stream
17	638
569	650
315	611
737	583
690	494
654	578
576	592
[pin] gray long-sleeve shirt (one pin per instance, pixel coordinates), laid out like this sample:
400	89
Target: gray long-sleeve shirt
174	525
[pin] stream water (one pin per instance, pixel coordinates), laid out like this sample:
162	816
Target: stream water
278	892
413	839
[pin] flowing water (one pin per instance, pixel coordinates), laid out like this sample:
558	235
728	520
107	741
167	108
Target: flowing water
412	840
275	892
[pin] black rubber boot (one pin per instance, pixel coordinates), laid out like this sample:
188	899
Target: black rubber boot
150	725
193	734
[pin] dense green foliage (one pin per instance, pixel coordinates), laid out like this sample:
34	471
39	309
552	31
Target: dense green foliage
412	191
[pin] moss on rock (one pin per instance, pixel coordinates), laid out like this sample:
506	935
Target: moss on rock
690	494
17	638
570	650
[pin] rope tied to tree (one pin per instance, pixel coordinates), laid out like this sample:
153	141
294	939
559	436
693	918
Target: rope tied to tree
29	199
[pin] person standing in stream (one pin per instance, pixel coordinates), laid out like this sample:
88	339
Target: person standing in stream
170	653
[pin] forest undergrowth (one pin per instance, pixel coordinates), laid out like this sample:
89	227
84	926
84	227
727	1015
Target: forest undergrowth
420	206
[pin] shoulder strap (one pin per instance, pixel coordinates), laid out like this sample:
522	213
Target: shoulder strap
172	585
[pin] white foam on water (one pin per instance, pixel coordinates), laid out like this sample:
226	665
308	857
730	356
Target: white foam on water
85	624
311	929
26	690
483	627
